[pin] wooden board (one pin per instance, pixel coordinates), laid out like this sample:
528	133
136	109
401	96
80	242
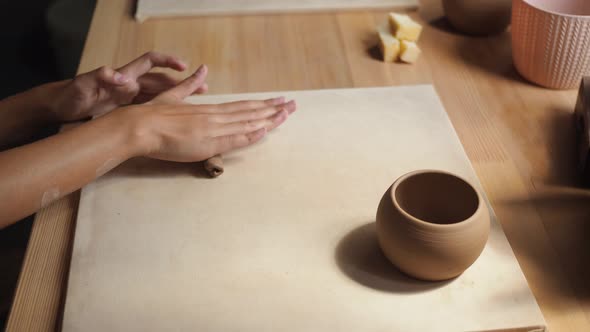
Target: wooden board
160	8
284	239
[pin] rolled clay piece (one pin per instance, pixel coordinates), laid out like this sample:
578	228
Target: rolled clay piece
214	166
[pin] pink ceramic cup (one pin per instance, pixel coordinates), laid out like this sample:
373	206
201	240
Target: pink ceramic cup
551	41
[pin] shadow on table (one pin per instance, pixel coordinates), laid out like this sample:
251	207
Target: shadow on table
359	257
565	214
556	254
375	53
371	44
563	202
561	150
492	54
146	167
564	207
442	24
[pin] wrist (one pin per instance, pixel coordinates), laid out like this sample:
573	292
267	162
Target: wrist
136	124
45	98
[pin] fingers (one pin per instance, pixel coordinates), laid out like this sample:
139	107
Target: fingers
227	143
249	126
153	84
247	134
249	104
251	115
189	86
156	83
149	60
109	76
202	89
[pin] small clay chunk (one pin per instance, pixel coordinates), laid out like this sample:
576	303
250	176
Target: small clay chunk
409	52
389	45
214	166
404	27
397	41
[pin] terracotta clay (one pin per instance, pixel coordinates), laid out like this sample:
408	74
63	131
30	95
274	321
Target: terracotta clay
550	41
478	17
432	225
214	166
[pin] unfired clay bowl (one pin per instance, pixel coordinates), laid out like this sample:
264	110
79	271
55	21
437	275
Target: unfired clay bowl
432	225
478	17
551	41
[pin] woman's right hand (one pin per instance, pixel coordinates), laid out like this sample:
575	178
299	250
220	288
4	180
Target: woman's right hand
167	128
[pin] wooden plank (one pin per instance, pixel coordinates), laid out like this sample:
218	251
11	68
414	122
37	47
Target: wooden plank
39	298
158	8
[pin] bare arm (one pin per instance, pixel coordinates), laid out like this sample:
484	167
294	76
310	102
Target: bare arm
24	114
30	175
100	91
37	174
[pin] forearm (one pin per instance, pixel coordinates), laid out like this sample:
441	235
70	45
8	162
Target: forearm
25	114
34	175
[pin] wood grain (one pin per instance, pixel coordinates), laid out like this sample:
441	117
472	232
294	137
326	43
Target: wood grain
519	137
47	266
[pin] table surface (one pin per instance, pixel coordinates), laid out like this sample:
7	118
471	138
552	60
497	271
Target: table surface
519	137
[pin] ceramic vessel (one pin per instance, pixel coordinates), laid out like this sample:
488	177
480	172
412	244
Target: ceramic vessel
551	41
432	224
478	17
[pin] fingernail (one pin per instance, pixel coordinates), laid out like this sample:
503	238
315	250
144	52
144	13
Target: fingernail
259	134
278	101
282	116
291	106
120	78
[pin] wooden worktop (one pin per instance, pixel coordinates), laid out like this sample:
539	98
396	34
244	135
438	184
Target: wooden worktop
519	137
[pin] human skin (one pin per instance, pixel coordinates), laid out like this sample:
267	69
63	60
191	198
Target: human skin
34	175
87	95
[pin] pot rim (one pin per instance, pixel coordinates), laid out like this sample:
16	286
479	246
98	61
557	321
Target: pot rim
552	12
460	223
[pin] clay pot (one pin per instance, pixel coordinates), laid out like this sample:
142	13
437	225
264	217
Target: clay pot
432	225
478	17
550	41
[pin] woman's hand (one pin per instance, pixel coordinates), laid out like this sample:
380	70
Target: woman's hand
165	127
104	89
168	128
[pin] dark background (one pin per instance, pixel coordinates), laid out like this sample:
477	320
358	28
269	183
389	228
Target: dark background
42	42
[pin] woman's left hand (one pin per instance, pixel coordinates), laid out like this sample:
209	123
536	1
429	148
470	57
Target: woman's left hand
104	89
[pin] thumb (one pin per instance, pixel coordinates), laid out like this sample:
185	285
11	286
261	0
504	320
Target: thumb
188	86
110	76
